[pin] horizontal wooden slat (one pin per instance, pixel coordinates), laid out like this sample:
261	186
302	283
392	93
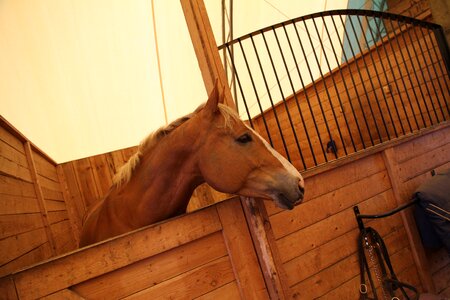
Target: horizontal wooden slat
13	162
16	187
11	225
38	254
229	291
10	205
332	252
80	266
44	167
65	294
191	284
7	137
336	225
331	203
332	180
57	216
13	247
154	270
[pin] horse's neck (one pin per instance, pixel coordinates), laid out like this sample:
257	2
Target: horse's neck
163	183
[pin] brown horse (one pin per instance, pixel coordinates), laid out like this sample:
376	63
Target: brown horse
210	145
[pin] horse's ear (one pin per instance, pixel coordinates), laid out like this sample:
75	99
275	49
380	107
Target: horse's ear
212	105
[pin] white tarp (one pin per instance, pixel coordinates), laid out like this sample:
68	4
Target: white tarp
80	77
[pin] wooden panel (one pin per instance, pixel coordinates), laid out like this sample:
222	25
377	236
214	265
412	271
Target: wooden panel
154	270
82	265
240	247
191	284
29	258
229	291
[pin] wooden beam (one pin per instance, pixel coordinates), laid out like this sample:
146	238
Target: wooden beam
264	242
205	47
40	196
417	249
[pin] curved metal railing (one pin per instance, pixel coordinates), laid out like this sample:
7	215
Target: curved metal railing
323	86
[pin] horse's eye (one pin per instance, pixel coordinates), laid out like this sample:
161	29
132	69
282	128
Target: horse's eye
244	139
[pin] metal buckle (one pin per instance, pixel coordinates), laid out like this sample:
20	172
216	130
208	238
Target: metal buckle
395	298
363	288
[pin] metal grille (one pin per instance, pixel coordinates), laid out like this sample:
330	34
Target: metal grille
326	85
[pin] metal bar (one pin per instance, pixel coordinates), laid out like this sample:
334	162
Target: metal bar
402	76
240	88
370	77
296	100
307	100
421	72
324	82
335	85
413	70
409	77
362	82
428	50
314	86
386	78
427	67
383	44
389	213
283	97
271	100
339	12
353	82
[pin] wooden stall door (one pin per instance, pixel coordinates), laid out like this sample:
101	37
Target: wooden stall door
207	254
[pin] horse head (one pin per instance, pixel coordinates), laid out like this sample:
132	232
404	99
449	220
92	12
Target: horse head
233	158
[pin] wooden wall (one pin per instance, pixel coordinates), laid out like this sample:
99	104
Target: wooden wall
381	84
210	253
207	254
89	179
34	218
316	242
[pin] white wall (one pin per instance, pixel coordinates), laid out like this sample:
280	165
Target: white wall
80	77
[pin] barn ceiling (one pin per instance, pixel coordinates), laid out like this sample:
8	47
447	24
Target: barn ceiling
81	77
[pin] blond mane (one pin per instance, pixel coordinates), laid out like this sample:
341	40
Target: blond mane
123	175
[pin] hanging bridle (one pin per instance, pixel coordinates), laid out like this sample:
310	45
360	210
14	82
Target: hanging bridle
371	242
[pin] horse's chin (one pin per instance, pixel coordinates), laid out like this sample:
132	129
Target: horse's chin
284	203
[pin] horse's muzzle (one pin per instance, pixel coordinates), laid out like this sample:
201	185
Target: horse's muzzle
290	200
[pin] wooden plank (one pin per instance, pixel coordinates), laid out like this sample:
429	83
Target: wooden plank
55	195
424	162
408	221
15	246
72	213
240	249
11	205
49	184
55	205
356	170
331	203
16	187
44	167
266	249
102	174
57	216
205	47
324	256
441	278
86	182
154	270
192	284
15	224
65	294
40	197
229	291
66	240
84	264
13	162
76	200
309	238
37	254
7	289
8	137
333	277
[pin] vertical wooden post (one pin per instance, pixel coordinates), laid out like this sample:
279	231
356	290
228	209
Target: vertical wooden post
211	68
417	250
205	47
40	196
